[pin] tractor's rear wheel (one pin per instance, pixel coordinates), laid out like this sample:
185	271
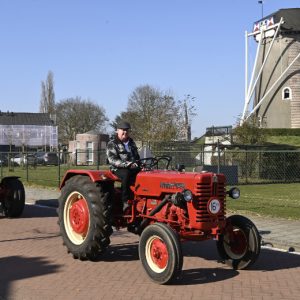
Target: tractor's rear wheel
160	253
14	203
84	217
239	245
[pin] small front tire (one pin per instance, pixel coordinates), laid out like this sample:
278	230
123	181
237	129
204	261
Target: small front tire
160	253
239	245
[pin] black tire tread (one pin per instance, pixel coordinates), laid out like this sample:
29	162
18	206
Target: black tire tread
14	205
168	275
177	244
99	202
252	254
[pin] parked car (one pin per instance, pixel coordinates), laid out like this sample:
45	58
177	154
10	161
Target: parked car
22	159
3	160
17	159
30	159
47	158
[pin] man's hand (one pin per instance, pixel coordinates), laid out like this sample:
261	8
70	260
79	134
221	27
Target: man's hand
133	166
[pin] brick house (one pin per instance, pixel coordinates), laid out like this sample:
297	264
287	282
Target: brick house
89	148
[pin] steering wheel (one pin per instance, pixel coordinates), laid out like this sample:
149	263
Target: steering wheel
149	163
166	159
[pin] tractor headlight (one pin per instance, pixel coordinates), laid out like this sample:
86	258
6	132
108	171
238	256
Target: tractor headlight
234	193
177	199
187	195
180	198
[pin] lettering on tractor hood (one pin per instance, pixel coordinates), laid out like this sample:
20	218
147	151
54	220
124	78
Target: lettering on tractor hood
172	185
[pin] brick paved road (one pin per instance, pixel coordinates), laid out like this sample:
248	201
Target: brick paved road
35	265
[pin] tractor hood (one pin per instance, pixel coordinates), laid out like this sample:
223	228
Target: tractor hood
155	183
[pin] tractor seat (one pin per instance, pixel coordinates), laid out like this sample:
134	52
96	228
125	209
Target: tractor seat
114	177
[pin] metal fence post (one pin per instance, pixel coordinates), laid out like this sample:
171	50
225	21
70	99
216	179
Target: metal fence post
246	169
219	157
27	171
58	167
284	165
2	168
98	159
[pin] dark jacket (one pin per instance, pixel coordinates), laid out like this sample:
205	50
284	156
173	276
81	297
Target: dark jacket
117	155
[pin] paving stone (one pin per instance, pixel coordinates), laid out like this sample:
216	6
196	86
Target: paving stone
35	265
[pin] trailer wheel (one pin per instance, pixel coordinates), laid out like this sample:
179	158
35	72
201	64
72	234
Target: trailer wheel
84	217
160	253
15	201
239	245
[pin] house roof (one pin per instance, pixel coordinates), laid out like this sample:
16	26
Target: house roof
12	118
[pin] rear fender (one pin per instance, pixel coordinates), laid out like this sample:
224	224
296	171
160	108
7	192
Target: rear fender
95	175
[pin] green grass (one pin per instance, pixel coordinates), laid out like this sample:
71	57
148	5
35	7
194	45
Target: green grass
49	176
275	200
285	140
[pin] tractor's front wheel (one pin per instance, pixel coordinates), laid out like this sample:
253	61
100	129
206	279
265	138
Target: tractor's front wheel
239	245
84	217
160	253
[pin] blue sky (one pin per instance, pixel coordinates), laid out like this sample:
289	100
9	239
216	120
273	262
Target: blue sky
102	50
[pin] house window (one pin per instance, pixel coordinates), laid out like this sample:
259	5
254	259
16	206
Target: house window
89	152
286	93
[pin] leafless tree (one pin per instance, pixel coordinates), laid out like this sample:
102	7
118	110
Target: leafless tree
152	113
47	102
155	115
76	115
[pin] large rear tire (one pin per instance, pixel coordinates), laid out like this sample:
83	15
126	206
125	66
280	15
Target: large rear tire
84	217
239	245
160	253
15	200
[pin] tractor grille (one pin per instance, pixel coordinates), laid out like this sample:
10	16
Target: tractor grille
203	192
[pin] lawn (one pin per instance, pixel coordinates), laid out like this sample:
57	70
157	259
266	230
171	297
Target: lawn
49	176
276	200
285	140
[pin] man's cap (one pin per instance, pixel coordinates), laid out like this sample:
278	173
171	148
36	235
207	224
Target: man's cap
123	125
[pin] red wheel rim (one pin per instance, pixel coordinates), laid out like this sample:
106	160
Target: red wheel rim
238	242
79	216
159	253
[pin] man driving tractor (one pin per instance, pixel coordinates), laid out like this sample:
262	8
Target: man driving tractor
122	155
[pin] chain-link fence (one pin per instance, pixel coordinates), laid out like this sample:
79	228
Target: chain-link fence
240	167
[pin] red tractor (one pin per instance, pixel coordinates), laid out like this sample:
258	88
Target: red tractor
168	206
12	197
